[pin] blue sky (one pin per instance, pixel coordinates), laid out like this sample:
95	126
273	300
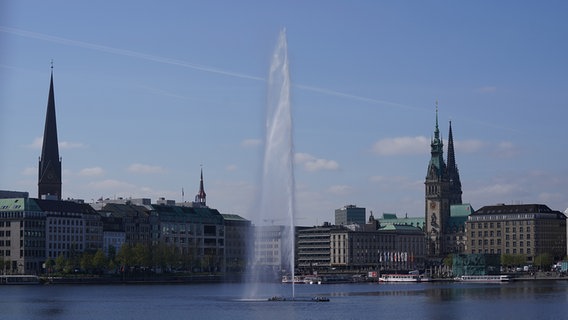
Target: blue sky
148	92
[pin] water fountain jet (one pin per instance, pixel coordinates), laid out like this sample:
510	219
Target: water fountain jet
277	198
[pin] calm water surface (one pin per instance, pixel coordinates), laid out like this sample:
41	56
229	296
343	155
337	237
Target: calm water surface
516	300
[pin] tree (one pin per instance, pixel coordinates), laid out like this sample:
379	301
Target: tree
99	261
60	263
513	260
543	261
86	262
141	255
448	261
124	255
49	264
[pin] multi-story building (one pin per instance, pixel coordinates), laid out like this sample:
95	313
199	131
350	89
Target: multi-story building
349	214
360	247
394	247
237	238
34	230
314	248
22	236
113	233
526	229
71	228
268	249
196	233
442	190
134	219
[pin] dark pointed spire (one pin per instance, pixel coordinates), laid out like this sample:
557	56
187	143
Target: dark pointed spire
49	178
200	198
452	171
436	150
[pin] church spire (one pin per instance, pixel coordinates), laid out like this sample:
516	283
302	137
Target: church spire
437	151
49	177
453	172
201	196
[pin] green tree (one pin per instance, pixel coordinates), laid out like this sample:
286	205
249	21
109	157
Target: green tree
86	262
124	256
60	263
448	261
49	264
99	261
141	255
543	261
513	260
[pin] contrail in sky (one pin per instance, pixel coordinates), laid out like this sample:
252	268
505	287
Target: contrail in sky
185	64
123	52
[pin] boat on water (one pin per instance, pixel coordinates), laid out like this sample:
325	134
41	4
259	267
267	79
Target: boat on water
410	277
484	278
19	279
301	280
320	299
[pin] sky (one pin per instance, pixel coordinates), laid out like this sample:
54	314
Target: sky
149	93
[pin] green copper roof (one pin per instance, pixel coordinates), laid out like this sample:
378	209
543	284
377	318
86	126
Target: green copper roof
461	210
234	217
18	204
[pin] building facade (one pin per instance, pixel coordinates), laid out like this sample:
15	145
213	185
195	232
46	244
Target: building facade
237	239
528	229
349	214
33	231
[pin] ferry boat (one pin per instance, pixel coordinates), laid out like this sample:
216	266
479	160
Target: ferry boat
301	280
484	278
19	279
410	277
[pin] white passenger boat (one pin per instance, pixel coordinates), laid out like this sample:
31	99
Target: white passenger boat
410	277
19	279
484	278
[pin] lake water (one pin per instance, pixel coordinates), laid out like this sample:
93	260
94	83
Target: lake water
516	300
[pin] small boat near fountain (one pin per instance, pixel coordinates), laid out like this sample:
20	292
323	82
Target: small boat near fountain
293	299
320	299
277	298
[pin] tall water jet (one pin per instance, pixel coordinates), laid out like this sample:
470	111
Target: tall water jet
277	199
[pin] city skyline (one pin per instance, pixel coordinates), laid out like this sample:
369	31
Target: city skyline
142	106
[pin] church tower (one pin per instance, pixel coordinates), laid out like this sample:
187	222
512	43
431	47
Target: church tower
452	172
200	196
49	177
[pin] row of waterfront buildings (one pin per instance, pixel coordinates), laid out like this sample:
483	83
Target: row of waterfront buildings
34	230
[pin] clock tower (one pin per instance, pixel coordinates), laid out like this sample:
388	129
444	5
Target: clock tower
49	169
442	189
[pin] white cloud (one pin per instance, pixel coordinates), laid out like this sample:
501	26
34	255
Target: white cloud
506	149
70	145
311	163
340	190
38	143
231	167
250	143
112	185
396	182
144	168
94	171
468	146
401	146
30	171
